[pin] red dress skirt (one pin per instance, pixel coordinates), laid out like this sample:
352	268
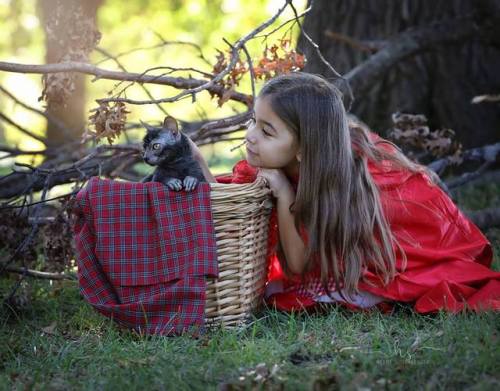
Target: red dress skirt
448	258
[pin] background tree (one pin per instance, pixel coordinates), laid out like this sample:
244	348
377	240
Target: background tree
143	74
71	35
438	80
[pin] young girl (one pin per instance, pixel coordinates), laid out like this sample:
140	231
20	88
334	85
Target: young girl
355	221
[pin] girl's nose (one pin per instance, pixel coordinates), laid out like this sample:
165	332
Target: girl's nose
249	137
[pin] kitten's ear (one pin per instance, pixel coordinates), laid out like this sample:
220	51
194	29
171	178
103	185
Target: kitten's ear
148	127
170	123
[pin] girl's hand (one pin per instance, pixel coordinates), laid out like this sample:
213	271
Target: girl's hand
278	182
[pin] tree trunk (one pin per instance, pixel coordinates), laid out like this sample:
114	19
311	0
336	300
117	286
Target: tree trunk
59	44
439	83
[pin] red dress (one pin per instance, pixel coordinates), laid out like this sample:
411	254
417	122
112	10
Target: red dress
448	258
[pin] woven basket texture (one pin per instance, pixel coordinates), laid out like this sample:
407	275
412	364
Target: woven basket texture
241	219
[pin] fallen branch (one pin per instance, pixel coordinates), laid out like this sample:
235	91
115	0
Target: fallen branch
488	153
98	162
43	275
468	176
485	218
487	177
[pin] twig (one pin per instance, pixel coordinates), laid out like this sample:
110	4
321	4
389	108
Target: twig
294	19
122	67
50	118
43	275
27	240
356	44
323	59
19	152
212	83
24	130
222	124
252	72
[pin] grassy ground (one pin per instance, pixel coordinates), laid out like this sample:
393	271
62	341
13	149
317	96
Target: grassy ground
58	342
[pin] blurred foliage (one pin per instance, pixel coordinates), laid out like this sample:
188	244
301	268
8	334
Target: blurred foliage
127	26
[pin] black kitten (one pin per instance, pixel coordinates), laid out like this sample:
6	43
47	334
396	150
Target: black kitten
168	149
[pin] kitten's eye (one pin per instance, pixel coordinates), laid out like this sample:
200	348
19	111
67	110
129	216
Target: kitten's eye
156	146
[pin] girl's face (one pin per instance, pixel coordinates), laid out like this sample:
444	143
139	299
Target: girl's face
270	143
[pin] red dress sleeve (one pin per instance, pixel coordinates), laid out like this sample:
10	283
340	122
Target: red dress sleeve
242	173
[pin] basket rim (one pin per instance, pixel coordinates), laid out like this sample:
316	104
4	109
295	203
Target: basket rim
259	183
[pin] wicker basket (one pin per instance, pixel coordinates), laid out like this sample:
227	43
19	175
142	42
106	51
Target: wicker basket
241	219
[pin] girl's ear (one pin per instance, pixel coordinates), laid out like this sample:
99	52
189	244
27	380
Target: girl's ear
298	156
170	123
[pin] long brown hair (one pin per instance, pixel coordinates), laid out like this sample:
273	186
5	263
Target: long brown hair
337	201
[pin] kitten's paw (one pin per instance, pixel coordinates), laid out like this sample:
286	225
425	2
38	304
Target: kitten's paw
174	184
190	183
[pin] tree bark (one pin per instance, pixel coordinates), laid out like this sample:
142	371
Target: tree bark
72	112
439	83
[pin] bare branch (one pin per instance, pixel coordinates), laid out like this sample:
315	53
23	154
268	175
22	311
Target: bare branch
212	83
122	67
11	152
22	129
408	44
80	67
50	118
98	162
237	121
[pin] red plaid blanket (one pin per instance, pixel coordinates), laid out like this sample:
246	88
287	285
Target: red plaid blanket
143	253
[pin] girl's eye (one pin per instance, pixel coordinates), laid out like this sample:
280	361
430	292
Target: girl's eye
156	146
266	132
253	122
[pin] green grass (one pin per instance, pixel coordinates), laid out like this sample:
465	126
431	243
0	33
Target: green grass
56	341
59	342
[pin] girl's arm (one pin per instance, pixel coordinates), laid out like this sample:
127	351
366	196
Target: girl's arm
292	244
201	161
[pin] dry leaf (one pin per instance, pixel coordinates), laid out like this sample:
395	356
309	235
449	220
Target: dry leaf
50	329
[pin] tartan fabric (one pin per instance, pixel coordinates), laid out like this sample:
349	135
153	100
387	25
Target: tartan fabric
143	253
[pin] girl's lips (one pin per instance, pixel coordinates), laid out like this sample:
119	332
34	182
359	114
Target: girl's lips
250	151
